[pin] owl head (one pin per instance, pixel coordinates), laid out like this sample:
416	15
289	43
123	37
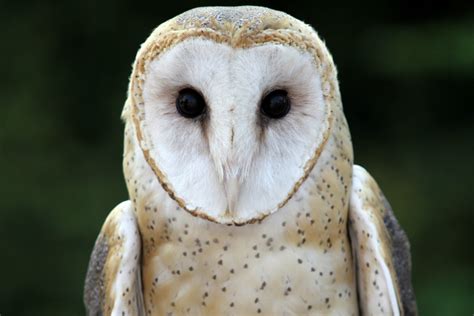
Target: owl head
231	109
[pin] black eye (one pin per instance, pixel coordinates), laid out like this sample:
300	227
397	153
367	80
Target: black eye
190	103
276	104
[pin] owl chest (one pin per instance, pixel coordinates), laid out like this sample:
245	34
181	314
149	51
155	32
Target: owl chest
297	261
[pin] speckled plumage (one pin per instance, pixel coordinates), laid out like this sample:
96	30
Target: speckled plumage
293	258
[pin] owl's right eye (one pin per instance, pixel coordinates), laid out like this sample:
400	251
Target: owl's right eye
190	103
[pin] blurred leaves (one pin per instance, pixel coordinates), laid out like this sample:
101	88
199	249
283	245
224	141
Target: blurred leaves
408	51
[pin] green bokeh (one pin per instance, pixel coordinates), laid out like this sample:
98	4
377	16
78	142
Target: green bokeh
407	80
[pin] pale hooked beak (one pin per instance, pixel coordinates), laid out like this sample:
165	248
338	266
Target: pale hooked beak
232	188
232	155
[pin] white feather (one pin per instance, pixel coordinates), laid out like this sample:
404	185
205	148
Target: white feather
234	165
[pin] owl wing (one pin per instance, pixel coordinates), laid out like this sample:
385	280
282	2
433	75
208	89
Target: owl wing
381	251
113	280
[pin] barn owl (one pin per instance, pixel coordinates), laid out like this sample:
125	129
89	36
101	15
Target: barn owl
244	199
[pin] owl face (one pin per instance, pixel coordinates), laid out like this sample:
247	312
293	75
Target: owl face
231	132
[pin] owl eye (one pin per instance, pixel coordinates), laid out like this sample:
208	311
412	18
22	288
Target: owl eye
190	103
276	104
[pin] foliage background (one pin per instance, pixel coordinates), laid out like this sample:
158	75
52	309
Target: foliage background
406	70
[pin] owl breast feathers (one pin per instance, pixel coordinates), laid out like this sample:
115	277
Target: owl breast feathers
243	195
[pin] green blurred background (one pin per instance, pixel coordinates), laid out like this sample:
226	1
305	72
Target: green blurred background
406	70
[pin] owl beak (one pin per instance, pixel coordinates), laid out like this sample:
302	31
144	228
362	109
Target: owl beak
232	188
231	160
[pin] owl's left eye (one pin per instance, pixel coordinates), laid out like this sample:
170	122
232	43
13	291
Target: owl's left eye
276	104
190	103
